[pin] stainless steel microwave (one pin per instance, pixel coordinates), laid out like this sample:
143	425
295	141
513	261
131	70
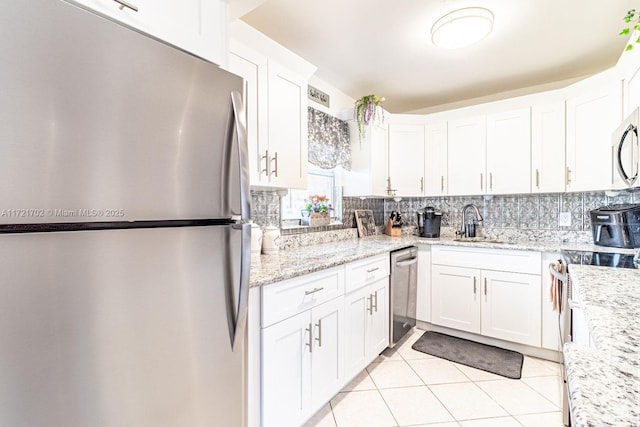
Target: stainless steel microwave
625	153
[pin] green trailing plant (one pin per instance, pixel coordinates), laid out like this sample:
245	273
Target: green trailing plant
367	109
632	19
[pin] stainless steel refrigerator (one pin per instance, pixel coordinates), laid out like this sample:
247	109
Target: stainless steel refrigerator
124	253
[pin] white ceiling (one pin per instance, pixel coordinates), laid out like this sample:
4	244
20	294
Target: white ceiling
384	47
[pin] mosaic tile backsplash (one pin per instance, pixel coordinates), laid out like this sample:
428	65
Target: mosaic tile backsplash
532	215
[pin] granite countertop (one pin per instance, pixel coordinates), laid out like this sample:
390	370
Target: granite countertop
604	380
286	264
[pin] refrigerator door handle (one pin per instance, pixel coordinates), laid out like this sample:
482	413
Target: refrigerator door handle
243	156
243	291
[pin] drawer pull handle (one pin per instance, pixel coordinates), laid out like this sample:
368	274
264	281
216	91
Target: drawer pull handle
485	287
371	270
474	285
374	306
124	4
313	291
370	301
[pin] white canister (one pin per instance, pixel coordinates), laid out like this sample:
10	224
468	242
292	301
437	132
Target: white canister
256	238
271	239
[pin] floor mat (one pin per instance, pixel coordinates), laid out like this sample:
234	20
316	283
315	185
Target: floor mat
488	358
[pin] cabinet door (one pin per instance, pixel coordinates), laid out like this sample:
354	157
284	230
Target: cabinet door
466	158
509	152
252	66
286	371
406	157
511	307
591	119
327	369
547	148
287	128
435	160
369	162
423	303
378	325
197	26
455	297
357	315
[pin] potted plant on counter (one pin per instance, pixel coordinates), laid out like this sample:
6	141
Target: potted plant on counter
317	211
368	109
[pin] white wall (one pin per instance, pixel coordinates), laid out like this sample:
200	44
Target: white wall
339	102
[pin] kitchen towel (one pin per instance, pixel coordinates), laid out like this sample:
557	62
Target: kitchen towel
557	269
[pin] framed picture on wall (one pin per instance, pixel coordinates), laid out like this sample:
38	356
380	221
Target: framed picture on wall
365	222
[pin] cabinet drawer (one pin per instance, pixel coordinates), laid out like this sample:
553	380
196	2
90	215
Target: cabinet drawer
290	297
527	262
368	270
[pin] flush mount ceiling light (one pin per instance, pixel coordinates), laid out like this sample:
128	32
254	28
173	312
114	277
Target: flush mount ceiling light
462	27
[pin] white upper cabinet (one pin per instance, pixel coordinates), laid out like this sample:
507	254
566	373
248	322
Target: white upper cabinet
594	110
252	66
406	159
435	159
197	26
287	122
548	147
276	99
509	152
369	162
466	159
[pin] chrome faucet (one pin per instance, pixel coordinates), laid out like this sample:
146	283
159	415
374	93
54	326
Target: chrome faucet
465	231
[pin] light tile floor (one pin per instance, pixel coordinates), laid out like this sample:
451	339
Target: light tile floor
404	387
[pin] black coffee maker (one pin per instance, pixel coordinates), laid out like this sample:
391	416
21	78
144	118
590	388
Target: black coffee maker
429	222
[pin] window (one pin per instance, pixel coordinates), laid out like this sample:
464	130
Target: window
319	181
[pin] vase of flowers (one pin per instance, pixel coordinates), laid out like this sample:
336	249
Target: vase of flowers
317	211
368	109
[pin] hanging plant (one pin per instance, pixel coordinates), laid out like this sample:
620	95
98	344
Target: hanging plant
368	109
633	20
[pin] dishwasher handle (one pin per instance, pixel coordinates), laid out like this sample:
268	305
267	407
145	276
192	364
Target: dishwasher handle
407	262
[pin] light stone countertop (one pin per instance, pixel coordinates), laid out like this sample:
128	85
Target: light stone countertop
286	264
604	380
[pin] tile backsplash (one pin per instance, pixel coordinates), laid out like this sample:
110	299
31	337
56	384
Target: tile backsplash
532	215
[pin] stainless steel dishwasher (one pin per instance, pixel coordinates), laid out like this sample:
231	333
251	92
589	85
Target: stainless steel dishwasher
402	301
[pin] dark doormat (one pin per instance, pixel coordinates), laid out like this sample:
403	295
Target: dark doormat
480	356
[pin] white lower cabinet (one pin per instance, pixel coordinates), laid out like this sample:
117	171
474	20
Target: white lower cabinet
302	364
314	338
501	303
511	307
366	325
423	291
454	297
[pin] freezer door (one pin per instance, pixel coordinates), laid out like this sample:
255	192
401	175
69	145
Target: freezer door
121	328
101	123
